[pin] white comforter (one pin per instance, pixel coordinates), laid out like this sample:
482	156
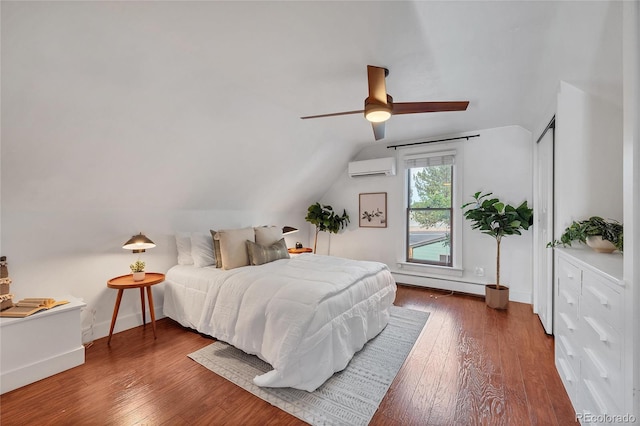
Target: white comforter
306	316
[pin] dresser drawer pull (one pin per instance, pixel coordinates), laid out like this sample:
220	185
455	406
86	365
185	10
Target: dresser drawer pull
565	370
601	297
601	333
568	322
570	300
566	346
594	359
596	397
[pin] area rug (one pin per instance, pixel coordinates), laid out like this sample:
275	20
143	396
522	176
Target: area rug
349	397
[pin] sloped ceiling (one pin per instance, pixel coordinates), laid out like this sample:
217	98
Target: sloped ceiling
196	105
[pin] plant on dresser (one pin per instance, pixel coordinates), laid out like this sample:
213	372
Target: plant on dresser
601	235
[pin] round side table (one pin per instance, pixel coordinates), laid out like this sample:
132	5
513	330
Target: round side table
124	282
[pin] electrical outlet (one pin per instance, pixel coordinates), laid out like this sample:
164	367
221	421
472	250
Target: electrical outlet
479	271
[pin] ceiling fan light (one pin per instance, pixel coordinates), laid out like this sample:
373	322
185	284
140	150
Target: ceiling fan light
378	116
377	112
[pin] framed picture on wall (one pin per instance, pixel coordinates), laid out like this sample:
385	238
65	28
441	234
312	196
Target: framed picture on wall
373	210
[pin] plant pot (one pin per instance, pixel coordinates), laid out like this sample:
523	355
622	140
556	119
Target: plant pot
138	276
496	298
601	246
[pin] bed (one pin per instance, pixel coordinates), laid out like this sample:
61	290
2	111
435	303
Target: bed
306	316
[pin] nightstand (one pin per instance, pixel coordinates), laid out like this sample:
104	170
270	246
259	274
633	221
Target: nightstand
124	282
300	250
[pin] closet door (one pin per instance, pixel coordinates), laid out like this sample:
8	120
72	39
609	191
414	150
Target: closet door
543	229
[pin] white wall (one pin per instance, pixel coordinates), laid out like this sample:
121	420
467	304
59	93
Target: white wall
74	252
500	161
588	158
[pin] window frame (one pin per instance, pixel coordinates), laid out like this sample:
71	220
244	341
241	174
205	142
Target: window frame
430	269
408	219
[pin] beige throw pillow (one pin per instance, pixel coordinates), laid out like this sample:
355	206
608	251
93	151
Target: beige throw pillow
259	254
233	249
267	235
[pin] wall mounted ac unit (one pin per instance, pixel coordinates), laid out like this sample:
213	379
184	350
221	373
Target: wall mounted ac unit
377	166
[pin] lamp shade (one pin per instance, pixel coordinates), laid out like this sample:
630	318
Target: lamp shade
289	230
139	243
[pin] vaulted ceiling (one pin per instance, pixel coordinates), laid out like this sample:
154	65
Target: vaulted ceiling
196	105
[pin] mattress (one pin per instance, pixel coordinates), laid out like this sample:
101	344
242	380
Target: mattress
306	316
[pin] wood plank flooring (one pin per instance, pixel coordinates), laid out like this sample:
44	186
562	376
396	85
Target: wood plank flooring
471	365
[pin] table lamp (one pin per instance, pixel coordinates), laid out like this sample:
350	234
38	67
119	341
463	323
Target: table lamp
138	243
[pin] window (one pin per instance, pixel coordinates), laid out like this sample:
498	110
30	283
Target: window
430	213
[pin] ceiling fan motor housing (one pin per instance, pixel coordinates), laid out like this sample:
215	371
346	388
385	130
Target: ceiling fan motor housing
376	111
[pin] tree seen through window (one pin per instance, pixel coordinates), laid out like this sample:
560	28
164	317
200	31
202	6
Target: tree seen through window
429	215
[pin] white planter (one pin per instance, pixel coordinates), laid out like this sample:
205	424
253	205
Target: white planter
600	245
138	276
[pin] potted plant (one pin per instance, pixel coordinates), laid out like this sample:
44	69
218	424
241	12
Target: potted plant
497	219
326	220
137	269
603	236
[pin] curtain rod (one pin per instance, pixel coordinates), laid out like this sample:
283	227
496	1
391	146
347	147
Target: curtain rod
439	140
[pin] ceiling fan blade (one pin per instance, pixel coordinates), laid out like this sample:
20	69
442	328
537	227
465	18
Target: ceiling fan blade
377	85
333	114
378	130
417	107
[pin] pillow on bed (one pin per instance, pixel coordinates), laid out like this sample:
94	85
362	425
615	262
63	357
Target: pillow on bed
267	235
233	249
183	243
259	254
202	250
216	248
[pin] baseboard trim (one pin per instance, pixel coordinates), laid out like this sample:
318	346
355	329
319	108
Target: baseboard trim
30	373
456	286
124	322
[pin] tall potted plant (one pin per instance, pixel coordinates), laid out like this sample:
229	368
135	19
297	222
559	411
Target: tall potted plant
497	219
326	220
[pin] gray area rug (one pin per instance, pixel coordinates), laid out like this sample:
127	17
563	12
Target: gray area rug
349	397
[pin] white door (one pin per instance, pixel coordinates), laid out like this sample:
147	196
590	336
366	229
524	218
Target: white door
543	230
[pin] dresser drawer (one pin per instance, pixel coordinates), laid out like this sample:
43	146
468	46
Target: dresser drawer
602	339
567	301
567	349
568	375
608	380
596	408
605	302
567	326
569	276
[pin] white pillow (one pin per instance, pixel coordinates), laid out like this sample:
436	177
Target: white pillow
233	246
267	235
183	243
202	249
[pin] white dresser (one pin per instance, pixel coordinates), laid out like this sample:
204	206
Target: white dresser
590	333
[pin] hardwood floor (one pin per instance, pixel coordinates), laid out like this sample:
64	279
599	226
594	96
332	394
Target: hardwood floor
471	365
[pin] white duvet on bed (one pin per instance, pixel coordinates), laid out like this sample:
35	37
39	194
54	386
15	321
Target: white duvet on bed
306	316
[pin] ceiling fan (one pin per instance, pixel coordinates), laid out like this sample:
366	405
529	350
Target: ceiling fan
379	106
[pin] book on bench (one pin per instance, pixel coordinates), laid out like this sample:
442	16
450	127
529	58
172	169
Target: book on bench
29	306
